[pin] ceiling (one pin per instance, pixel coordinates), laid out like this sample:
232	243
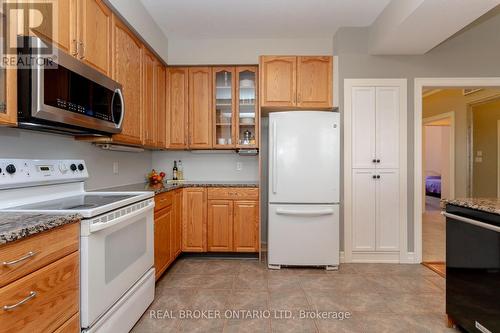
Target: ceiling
203	19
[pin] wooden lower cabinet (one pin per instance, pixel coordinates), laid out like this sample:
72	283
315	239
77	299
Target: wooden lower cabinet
71	326
246	226
220	225
177	229
163	240
194	220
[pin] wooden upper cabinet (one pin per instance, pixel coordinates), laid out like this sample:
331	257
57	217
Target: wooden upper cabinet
194	224
94	35
200	107
177	107
161	105
8	97
149	98
127	70
247	106
220	225
246	226
314	82
277	81
302	82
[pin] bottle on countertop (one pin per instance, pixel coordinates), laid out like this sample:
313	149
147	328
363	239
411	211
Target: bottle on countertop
174	171
180	171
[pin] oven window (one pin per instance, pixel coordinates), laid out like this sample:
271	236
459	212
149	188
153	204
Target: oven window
123	247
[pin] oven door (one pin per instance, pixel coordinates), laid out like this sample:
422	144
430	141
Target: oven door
116	251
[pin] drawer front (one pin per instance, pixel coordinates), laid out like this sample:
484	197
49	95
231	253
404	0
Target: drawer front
70	326
25	256
55	298
163	200
234	193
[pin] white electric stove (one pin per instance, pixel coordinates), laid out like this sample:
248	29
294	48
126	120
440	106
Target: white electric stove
117	240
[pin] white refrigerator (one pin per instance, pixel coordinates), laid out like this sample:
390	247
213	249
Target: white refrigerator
304	163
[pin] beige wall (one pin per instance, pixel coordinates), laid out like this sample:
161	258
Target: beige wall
485	132
437	152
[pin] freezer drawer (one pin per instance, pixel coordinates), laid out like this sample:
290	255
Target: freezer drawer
303	235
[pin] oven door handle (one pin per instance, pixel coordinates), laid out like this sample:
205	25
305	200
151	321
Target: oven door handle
105	225
473	222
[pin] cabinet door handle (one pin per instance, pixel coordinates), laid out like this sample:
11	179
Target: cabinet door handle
378	176
374	160
82	53
374	177
378	161
13	262
12	307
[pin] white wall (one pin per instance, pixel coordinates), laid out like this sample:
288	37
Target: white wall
433	150
136	16
209	165
132	167
241	51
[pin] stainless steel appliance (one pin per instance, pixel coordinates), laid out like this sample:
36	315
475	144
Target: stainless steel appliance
117	276
66	96
473	269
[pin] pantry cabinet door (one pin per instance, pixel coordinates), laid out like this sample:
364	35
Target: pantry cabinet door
220	225
163	244
363	210
363	127
194	227
127	70
161	106
246	226
387	127
149	98
278	81
314	82
200	107
94	33
387	210
177	107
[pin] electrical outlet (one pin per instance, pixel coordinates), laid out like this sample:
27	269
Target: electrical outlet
239	166
115	168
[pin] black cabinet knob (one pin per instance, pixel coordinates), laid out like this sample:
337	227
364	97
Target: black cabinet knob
378	176
73	167
10	169
81	167
374	177
378	161
374	161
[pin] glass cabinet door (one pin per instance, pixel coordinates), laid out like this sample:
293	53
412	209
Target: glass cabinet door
224	87
247	123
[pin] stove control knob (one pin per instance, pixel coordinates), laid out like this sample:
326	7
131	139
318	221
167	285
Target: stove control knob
73	167
81	167
63	168
10	169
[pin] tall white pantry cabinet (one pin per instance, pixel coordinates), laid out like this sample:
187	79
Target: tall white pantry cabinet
375	172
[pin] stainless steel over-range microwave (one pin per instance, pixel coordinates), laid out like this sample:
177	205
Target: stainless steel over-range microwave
66	96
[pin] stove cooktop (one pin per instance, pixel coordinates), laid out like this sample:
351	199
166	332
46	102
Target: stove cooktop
74	203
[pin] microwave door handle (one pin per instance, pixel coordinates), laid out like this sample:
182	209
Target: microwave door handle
105	225
318	212
274	157
473	222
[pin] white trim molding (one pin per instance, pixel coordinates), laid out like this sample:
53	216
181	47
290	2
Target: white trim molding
442	83
393	257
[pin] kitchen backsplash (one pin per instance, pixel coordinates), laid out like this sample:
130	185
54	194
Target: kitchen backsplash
209	165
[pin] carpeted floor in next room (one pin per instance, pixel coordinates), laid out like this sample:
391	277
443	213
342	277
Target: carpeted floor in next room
380	298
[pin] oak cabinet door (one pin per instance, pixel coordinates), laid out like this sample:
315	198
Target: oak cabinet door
163	245
149	98
127	70
177	107
8	96
177	233
200	107
314	82
278	81
194	227
94	34
246	226
161	112
220	225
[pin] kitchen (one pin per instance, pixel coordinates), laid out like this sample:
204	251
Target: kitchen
208	239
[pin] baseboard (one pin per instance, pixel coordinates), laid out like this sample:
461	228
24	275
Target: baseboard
342	257
408	258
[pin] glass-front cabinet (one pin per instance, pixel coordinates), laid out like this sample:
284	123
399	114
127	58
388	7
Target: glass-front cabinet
225	108
247	108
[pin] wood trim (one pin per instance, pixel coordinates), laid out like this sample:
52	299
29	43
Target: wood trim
347	176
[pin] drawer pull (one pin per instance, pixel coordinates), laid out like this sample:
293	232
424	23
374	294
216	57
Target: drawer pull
27	256
11	307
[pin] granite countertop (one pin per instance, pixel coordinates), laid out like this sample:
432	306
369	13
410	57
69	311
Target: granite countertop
165	187
489	205
15	226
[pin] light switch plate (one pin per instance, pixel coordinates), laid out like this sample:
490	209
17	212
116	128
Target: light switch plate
115	168
239	166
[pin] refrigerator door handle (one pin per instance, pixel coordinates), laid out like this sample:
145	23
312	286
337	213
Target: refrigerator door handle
274	158
319	212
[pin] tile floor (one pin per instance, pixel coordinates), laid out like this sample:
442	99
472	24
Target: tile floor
380	298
